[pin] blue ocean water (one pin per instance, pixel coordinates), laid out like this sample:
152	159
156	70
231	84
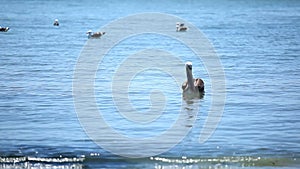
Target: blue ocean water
257	43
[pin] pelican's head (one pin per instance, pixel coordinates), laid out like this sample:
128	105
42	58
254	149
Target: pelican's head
188	65
56	20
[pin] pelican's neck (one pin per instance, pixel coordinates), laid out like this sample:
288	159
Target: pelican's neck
190	79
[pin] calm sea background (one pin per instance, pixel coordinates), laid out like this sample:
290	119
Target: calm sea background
258	43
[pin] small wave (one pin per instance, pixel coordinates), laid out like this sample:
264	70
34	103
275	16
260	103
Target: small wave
40	159
228	161
39	162
151	162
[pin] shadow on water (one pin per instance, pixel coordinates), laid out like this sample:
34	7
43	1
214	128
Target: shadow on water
191	106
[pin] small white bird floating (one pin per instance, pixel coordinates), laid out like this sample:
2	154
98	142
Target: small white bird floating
180	27
92	34
56	23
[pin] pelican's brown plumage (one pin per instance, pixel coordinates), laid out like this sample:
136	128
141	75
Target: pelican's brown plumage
192	87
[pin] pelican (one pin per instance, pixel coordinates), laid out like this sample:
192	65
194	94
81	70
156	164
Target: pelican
91	34
4	29
56	23
180	27
192	88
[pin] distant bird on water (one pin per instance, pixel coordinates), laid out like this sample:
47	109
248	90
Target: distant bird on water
4	29
180	27
192	88
56	23
92	34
